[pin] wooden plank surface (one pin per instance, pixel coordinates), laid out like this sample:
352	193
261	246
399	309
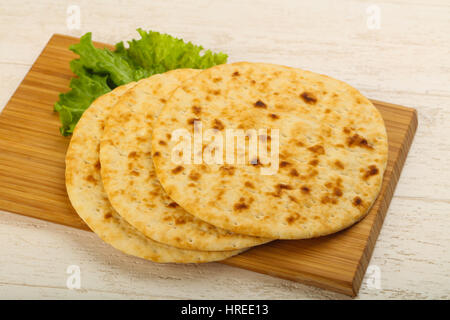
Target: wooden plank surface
32	180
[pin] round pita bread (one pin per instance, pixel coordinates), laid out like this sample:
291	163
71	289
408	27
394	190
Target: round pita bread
331	160
86	193
129	176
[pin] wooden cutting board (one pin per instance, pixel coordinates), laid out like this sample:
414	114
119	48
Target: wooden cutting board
32	180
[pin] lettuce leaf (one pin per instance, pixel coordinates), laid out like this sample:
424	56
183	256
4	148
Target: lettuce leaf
158	53
85	89
99	71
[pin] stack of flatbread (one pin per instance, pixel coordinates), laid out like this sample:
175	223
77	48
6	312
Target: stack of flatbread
149	168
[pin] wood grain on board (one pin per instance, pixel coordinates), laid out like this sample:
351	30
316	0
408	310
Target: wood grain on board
32	180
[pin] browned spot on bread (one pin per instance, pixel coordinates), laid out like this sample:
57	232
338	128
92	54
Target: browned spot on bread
134	173
292	218
108	215
285	155
236	74
279	189
180	220
281	186
172	205
218	79
372	171
357	140
192	120
248	184
314	162
327	199
196	110
177	170
284	164
132	155
294	173
194	175
97	165
214	92
293	199
326	131
240	206
357	201
255	162
318	149
260	104
327	110
337	192
156	154
274	116
346	130
305	189
339	164
220	194
227	170
218	125
299	144
169	136
162	142
311	174
91	179
308	97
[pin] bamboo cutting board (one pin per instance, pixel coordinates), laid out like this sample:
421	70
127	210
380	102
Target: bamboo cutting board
32	180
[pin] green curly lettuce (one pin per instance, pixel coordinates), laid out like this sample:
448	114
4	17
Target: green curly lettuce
99	71
158	53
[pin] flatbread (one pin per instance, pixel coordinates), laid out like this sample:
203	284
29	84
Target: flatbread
332	151
129	176
86	193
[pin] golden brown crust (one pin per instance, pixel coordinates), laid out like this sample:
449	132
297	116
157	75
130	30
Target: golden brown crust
129	176
86	193
333	151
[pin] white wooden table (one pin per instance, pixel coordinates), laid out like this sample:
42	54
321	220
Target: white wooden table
396	51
